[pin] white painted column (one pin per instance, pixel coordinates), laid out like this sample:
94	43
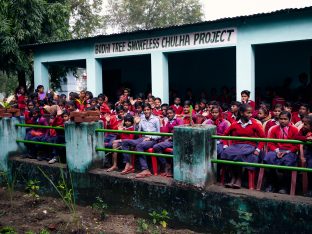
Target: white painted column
160	76
41	75
245	69
94	76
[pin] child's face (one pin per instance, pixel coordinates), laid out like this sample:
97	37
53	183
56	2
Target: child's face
100	101
164	110
93	103
303	111
186	109
209	107
234	108
276	112
244	97
288	109
157	103
177	101
261	114
30	106
283	120
41	90
125	92
121	114
138	109
306	125
65	117
196	107
128	124
147	112
215	113
126	107
170	114
202	105
82	95
247	114
87	96
26	99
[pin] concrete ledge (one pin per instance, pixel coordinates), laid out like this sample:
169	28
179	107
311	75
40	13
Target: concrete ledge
214	209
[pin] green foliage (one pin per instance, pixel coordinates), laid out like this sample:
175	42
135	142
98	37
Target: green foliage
160	218
142	226
244	224
44	231
7	83
101	207
86	17
7	230
129	15
32	187
9	181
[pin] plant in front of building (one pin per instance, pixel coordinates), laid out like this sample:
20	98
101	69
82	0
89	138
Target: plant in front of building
7	230
101	207
160	218
32	187
244	224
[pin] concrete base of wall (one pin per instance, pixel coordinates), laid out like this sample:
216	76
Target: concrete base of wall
215	209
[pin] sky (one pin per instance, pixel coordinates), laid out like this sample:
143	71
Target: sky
216	9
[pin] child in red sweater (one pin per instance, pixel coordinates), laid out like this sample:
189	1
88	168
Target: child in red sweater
278	108
243	151
281	153
177	106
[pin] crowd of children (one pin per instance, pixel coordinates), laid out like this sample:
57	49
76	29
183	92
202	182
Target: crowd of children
147	113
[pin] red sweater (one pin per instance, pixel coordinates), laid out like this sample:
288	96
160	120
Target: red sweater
230	117
276	132
295	117
270	124
124	136
178	109
251	130
157	112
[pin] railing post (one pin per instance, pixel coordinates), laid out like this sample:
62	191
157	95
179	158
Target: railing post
8	135
193	150
81	142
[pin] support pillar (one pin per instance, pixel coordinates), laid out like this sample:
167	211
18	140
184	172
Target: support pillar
160	76
193	151
81	141
94	76
8	135
41	75
245	69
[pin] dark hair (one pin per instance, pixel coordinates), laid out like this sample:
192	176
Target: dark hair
147	105
187	103
247	92
119	108
309	118
225	107
164	105
267	105
236	103
285	113
265	110
140	95
203	100
138	104
213	103
90	94
216	107
288	104
305	105
73	95
278	106
65	112
63	95
93	100
171	109
129	118
242	109
159	99
39	87
35	110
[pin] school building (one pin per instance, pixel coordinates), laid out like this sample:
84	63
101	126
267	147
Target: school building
242	52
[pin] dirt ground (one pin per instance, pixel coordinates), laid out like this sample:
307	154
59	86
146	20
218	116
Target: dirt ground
26	213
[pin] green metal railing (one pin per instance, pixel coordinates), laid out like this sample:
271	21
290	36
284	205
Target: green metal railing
259	165
135	132
261	139
39	126
135	152
41	143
